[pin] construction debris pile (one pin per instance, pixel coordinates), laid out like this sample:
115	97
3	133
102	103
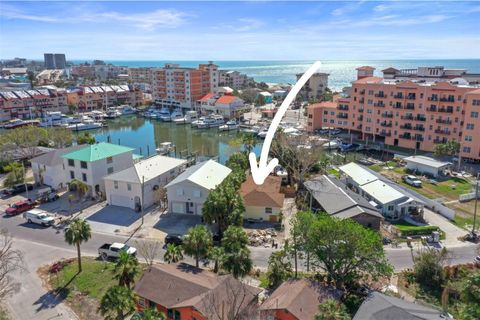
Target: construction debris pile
265	238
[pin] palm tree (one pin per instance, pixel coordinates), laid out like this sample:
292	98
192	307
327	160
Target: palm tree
196	242
78	231
330	309
236	259
153	314
117	303
80	187
31	78
126	269
216	255
173	253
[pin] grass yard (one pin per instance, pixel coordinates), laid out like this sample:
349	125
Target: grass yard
409	229
334	172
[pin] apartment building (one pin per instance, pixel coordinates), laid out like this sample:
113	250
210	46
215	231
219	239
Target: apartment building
178	87
416	113
315	86
27	104
235	79
55	60
140	75
101	97
99	71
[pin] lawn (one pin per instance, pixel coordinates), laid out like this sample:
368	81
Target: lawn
409	229
334	172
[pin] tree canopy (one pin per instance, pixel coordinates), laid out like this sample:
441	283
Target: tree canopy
197	242
236	255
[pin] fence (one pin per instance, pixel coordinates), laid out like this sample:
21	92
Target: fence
467	197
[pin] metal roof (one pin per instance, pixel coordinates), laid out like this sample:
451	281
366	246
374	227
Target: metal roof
357	173
382	192
97	151
427	161
207	174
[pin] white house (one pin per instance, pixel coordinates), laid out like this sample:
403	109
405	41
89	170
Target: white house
426	165
91	163
124	188
187	192
48	167
224	104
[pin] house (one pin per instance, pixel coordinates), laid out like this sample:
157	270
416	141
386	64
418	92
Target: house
187	192
124	188
48	168
91	163
378	306
266	96
392	202
262	202
332	196
182	291
426	165
297	300
223	103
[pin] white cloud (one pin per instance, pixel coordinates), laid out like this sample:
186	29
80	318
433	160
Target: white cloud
248	24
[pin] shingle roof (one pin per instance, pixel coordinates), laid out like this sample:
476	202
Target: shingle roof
337	200
300	297
208	174
265	195
149	169
54	157
97	151
379	306
182	285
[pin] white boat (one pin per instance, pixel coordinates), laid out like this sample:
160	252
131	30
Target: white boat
87	124
54	118
333	144
165	148
254	130
176	114
217	121
262	134
230	125
16	123
195	123
126	109
97	115
189	117
164	115
112	113
205	123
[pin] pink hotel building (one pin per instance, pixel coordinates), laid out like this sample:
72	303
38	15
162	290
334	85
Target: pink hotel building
414	109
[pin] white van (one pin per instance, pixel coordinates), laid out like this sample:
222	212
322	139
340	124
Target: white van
39	217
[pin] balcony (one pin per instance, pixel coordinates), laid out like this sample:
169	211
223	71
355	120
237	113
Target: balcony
409	106
398	106
440	141
448	99
360	110
379	104
440	131
387	115
342	115
432	98
419	128
405	136
359	127
419	118
417	138
380	95
446	110
342	107
362	100
385	134
360	118
444	121
410	97
398	96
407	126
407	117
386	124
362	91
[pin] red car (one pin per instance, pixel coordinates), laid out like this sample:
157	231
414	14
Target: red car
19	207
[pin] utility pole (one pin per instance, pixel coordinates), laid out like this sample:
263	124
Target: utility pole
475	210
25	179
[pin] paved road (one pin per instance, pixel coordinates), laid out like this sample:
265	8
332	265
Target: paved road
44	245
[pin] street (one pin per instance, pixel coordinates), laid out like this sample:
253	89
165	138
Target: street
44	245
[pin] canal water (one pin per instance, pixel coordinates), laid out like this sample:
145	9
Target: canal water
145	135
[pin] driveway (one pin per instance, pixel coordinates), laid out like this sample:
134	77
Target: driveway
177	223
111	218
452	232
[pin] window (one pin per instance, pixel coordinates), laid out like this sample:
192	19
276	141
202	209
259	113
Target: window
390	208
173	314
71	163
84	177
474	114
468	138
129	187
179	192
115	184
476	102
268	210
110	170
83	164
197	193
72	175
470	126
109	160
466	149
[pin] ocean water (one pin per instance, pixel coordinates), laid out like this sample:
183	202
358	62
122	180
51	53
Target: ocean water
341	72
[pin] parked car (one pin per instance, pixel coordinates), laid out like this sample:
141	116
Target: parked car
173	238
112	250
39	217
19	207
16	189
412	180
48	197
476	260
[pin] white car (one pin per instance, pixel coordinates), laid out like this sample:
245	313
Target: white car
112	250
412	180
39	217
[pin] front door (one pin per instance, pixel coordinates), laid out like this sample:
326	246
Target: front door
189	207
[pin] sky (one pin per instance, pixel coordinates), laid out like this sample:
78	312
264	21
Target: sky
254	30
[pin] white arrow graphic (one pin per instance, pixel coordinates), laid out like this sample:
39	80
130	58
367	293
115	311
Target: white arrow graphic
260	172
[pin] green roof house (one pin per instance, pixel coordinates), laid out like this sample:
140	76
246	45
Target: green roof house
92	163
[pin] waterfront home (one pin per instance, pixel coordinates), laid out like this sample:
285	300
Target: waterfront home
297	300
379	306
263	202
90	164
182	291
124	188
393	203
187	192
333	197
48	168
222	103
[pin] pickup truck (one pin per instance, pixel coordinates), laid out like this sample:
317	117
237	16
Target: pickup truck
19	207
112	250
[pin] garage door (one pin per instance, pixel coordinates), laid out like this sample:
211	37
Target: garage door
121	201
178	207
